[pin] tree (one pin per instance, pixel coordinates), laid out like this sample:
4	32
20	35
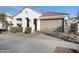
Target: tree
2	19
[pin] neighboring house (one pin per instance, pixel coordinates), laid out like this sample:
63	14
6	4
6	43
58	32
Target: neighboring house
44	22
8	20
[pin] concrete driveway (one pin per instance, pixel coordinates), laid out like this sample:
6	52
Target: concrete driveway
22	44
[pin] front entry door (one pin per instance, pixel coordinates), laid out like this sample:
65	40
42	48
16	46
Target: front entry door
27	22
35	23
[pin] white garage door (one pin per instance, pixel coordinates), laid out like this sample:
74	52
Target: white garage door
50	25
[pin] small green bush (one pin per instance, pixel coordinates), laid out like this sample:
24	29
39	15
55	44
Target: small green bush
28	30
15	29
73	28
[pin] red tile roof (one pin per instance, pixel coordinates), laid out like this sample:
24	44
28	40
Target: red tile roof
53	13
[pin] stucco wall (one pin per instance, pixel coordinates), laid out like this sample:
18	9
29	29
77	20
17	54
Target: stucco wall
31	15
0	25
9	19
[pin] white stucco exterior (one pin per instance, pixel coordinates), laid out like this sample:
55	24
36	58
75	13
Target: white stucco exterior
66	25
31	15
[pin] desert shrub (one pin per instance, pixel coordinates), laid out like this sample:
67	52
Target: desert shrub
19	29
15	29
28	30
73	27
59	29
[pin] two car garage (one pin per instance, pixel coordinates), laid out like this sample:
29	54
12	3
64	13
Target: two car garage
52	21
50	25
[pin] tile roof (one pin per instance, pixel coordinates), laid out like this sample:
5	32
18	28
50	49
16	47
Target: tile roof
53	14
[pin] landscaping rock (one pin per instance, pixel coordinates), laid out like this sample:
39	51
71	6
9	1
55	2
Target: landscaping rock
67	37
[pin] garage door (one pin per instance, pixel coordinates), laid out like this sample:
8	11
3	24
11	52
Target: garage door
50	25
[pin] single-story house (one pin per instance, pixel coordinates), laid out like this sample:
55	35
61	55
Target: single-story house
44	22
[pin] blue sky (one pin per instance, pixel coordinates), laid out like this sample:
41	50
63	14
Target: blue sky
72	10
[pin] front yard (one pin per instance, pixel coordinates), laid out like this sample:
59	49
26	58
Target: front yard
65	36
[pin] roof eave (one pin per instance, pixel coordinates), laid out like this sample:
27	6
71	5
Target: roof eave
53	17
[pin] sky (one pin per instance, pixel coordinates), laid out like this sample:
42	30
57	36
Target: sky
72	10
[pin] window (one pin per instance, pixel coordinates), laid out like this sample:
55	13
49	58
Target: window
19	19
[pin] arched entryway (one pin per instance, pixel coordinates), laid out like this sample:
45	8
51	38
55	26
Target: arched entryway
27	22
35	23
